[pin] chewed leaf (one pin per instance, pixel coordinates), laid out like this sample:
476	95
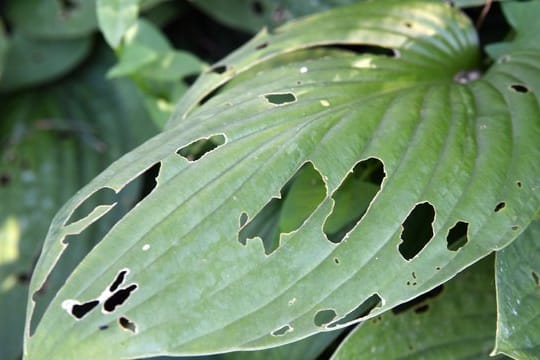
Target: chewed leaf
449	146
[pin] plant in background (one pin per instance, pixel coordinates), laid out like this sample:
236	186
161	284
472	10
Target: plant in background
336	170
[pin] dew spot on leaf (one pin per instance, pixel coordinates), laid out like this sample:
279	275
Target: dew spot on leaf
362	310
285	329
324	317
457	236
198	148
353	197
417	230
520	88
118	298
280	98
299	199
126	324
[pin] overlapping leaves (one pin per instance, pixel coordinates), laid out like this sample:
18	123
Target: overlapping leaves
462	148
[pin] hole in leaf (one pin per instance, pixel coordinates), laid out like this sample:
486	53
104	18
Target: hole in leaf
336	260
220	69
324	317
79	245
422	309
536	278
103	327
5	179
299	198
280	98
197	149
352	198
257	8
363	49
457	236
261	46
282	330
79	311
120	278
500	206
515	227
417	230
519	184
127	324
419	300
104	196
362	310
520	88
408	24
118	298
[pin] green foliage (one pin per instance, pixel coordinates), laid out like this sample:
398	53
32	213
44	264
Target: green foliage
335	171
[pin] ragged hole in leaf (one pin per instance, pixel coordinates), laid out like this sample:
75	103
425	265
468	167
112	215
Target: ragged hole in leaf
5	179
499	206
536	278
80	310
299	198
120	278
280	98
362	310
352	198
118	298
220	69
363	49
520	88
261	46
324	317
80	244
422	309
126	324
198	148
257	8
211	95
519	184
457	236
104	196
417	230
418	301
285	329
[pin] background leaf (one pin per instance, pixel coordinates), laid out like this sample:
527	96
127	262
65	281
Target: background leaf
518	296
53	19
456	322
31	62
395	88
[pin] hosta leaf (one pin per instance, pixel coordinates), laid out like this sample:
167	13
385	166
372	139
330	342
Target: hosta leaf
115	17
455	322
31	62
518	296
53	19
52	142
172	276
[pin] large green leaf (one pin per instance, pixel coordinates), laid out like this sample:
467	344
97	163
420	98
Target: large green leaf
52	142
518	296
458	323
53	19
456	150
